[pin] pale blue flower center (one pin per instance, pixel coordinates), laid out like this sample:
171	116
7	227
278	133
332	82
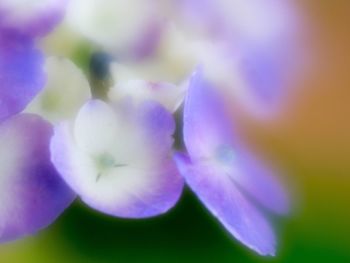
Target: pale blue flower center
106	162
225	154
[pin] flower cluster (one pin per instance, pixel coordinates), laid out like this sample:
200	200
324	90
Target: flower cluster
109	138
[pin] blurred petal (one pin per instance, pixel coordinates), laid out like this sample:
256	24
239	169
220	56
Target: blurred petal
223	199
31	18
268	72
66	90
259	181
205	126
21	73
223	173
127	85
253	21
262	34
129	27
208	136
119	160
32	194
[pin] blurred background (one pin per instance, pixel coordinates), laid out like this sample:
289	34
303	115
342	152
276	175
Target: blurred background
309	141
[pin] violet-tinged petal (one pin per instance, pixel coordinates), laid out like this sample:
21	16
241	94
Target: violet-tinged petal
118	160
263	34
21	72
268	71
221	196
31	18
251	21
257	179
205	126
263	72
32	194
208	136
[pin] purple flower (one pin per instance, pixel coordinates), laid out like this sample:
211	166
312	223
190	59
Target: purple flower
264	35
21	64
223	174
32	194
117	158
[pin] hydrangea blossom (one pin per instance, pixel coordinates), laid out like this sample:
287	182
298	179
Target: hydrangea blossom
21	64
225	175
262	33
249	44
32	193
118	158
116	154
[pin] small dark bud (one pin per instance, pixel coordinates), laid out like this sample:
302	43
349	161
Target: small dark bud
99	65
100	75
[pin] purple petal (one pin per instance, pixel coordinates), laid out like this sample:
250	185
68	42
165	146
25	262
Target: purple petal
223	199
149	40
203	15
205	125
208	135
34	19
32	194
254	21
263	34
158	125
268	72
21	73
259	181
139	178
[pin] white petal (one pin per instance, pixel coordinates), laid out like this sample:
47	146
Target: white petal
66	91
114	24
96	127
127	85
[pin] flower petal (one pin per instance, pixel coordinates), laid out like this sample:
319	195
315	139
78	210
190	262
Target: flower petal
31	18
122	166
267	72
96	127
259	181
209	136
262	34
169	95
67	89
223	199
205	125
32	194
127	27
21	73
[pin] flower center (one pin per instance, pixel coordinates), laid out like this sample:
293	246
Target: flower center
106	162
